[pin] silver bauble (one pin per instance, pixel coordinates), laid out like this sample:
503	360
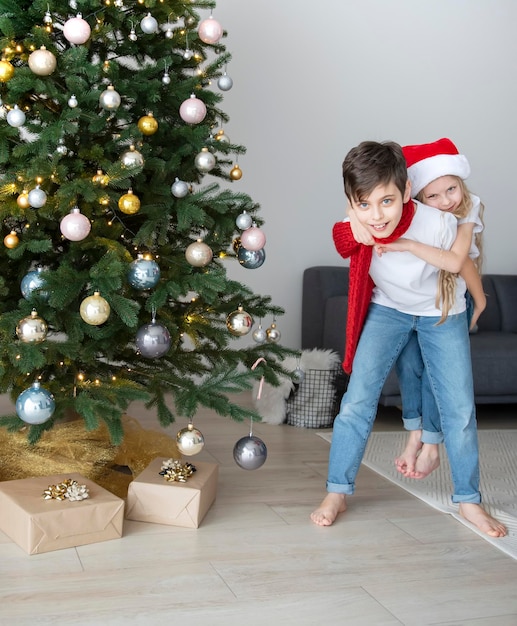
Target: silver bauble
259	335
199	254
244	221
37	197
190	440
225	83
239	322
149	24
110	99
16	117
251	259
205	161
153	340
273	334
32	329
298	376
179	188
166	79
35	405
132	158
72	101
250	452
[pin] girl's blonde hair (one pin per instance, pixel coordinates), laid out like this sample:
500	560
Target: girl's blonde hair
446	293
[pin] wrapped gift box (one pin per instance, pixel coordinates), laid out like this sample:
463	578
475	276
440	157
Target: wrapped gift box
151	498
38	525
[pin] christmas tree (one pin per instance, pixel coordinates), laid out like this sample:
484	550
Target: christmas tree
117	229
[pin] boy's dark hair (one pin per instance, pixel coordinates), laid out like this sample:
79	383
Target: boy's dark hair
371	164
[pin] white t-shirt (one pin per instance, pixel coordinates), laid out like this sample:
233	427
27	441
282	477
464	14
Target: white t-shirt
474	217
409	284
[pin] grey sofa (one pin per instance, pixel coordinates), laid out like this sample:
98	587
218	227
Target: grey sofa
493	346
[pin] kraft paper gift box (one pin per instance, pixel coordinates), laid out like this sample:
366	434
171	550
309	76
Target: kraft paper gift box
151	498
38	525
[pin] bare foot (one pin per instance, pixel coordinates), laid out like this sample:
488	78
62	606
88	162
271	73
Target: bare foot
427	461
333	504
406	461
475	514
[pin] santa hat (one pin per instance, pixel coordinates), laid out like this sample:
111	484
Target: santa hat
428	161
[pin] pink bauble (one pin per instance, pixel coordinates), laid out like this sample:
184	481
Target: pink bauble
253	239
76	30
210	31
75	226
193	110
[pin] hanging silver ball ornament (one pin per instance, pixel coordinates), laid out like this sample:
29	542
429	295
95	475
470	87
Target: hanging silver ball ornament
224	82
110	99
35	405
166	79
32	284
37	197
193	110
190	440
143	273
47	18
188	54
153	340
132	158
253	238
16	117
61	148
199	254
32	329
250	452
273	334
76	30
72	101
75	226
259	335
298	376
244	221
239	322
179	188
42	62
210	31
132	35
149	24
94	310
221	137
205	161
251	259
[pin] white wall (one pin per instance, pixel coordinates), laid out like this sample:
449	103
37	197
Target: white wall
309	84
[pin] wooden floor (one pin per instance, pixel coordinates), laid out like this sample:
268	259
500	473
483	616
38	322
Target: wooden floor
257	558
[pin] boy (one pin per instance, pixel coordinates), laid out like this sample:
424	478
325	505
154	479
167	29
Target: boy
401	303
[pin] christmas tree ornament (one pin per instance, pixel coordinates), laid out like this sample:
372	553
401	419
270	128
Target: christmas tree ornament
224	82
250	452
251	259
110	99
179	188
190	440
16	117
11	240
47	18
76	30
143	273
147	124
32	284
129	203
94	310
61	147
239	322
42	62
236	172
100	178
298	376
253	238
32	329
205	161
75	226
199	254
35	405
236	245
23	200
132	158
132	34
6	71
221	137
72	101
166	78
188	54
153	340
244	220
149	24
259	335
273	334
210	31
193	110
37	197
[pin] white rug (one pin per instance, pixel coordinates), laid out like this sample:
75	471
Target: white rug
498	485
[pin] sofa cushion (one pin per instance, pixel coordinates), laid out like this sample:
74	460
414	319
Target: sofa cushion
494	363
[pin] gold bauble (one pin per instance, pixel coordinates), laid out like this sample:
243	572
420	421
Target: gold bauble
100	178
32	329
42	62
94	310
129	203
23	200
6	71
239	322
11	240
190	440
147	125
236	173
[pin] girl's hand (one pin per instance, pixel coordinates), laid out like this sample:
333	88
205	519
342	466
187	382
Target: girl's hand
400	245
360	233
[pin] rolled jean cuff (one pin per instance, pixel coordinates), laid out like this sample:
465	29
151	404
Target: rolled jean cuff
347	490
474	498
412	423
429	436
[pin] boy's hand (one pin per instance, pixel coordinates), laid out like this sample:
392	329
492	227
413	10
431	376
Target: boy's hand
360	233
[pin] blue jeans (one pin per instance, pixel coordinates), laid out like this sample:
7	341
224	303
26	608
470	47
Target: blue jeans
446	356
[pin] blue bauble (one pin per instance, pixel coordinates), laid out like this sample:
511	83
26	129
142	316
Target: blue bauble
143	274
35	405
250	453
251	259
31	285
153	340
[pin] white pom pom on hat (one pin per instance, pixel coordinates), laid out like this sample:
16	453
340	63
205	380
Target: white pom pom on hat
428	161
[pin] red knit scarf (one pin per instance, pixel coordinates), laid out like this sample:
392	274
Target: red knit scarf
360	283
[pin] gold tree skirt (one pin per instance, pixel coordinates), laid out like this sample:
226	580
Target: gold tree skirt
68	447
